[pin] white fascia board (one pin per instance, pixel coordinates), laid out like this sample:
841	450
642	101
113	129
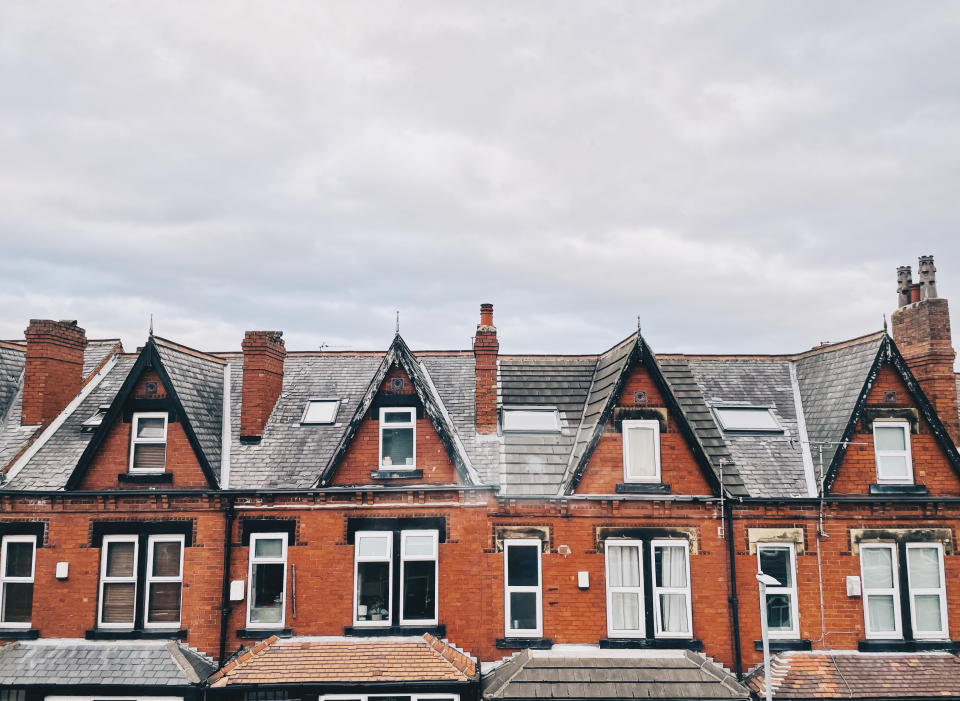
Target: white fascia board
813	489
225	434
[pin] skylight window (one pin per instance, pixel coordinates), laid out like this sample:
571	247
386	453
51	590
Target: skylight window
96	419
745	418
542	419
320	411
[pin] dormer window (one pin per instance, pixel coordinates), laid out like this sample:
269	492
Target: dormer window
148	442
398	438
320	411
641	451
532	419
747	418
891	443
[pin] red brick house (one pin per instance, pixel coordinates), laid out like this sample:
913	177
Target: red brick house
170	510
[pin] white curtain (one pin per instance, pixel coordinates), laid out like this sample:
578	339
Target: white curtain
625	572
673	606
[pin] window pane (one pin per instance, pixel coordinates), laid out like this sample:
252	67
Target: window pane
373	590
893	466
397	446
626	610
393	417
17	602
927	607
527	420
779	612
118	603
878	568
19	559
671	563
166	559
120	559
641	452
881	613
164	604
373	546
747	419
889	438
418	546
150	427
149	456
523	610
522	561
267	593
320	412
268	547
419	590
624	565
924	567
673	613
776	563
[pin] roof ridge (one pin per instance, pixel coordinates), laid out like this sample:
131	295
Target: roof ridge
187	350
451	656
12	345
219	677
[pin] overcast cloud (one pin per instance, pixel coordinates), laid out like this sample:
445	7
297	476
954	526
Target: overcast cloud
743	176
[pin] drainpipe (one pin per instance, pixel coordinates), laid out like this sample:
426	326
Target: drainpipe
225	608
734	603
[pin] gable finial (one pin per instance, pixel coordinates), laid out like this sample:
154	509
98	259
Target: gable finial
151	325
397	330
884	323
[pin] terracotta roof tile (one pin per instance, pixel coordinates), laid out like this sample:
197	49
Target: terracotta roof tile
808	675
303	660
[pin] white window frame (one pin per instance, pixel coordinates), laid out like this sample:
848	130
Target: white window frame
322	400
104	579
510	632
254	560
941	591
357	559
411	424
894	591
653	425
794	632
545	410
905	427
367	697
149	579
134	441
611	590
777	427
659	632
404	559
5	579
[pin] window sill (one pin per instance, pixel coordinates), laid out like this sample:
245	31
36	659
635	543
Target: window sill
642	488
136	634
261	633
907	645
145	478
784	645
19	633
524	643
651	644
396	474
915	489
370	631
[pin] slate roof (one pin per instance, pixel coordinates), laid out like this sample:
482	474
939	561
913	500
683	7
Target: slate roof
11	369
353	660
80	662
97	351
581	672
855	675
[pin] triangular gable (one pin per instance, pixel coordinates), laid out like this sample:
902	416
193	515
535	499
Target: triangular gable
889	353
149	358
613	369
433	406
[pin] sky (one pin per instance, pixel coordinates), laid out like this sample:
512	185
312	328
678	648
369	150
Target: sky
740	176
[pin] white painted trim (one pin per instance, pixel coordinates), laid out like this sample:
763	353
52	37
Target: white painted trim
940	591
135	440
612	631
809	472
150	578
651	425
510	632
687	590
434	557
893	592
792	590
906	452
254	560
411	424
61	418
226	431
357	559
124	579
4	579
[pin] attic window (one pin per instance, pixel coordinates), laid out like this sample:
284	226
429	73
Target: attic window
320	411
540	419
92	423
746	418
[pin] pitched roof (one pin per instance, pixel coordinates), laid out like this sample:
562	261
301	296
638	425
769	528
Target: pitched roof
353	660
83	662
855	675
582	672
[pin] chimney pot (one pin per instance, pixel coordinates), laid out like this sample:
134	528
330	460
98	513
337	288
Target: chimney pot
53	373
904	280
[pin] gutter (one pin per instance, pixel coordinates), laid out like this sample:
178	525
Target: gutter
225	607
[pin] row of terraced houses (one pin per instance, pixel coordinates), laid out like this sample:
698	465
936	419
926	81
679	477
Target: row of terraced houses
453	525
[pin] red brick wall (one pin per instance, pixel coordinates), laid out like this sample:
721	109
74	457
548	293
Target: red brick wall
53	373
362	457
678	466
263	355
486	347
930	465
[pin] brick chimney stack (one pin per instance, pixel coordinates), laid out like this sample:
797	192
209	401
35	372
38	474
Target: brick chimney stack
263	356
486	347
53	374
921	330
